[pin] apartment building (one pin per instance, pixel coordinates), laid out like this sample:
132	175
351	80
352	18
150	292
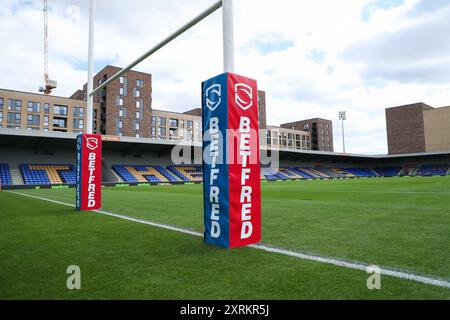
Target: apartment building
124	108
32	111
321	132
282	138
176	126
125	104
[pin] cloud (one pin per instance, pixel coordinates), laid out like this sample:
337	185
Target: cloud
413	54
313	57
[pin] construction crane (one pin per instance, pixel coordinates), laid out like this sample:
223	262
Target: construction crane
49	85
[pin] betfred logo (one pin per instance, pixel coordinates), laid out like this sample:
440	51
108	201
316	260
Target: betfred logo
92	143
243	94
89	172
213	96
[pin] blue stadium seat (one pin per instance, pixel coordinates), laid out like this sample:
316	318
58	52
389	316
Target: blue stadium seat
44	174
144	173
192	173
433	170
388	171
361	172
5	175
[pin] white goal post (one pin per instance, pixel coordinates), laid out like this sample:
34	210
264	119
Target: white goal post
228	49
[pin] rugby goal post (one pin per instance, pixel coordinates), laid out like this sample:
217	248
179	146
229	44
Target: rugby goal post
232	196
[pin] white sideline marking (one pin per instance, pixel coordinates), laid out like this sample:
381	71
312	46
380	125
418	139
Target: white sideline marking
407	275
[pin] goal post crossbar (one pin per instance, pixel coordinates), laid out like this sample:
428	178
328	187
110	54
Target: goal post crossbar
160	45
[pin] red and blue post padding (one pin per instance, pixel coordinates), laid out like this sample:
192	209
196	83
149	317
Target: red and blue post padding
231	163
89	172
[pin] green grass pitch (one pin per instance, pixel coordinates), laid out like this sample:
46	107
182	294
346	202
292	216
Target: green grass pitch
398	223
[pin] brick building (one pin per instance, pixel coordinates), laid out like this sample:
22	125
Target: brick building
124	108
125	104
321	131
416	128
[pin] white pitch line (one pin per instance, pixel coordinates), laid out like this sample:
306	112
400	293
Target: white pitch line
406	275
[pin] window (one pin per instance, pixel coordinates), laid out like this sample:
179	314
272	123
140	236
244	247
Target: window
139	83
138	135
153	131
189	134
46	108
121	113
138	126
190	124
78	112
34	107
78	123
138	104
33	119
162	121
120	101
161	132
153	120
138	115
138	93
306	127
121	91
173	122
121	79
1	117
14	117
15	105
120	124
46	121
173	133
2	102
60	110
60	123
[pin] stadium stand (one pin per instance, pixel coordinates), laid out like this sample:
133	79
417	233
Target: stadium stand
5	175
187	173
433	170
388	171
409	170
48	174
314	173
304	175
290	173
142	174
272	174
361	172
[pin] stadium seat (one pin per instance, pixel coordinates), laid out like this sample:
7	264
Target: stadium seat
5	175
433	170
187	173
143	174
313	173
42	174
360	172
290	173
388	171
